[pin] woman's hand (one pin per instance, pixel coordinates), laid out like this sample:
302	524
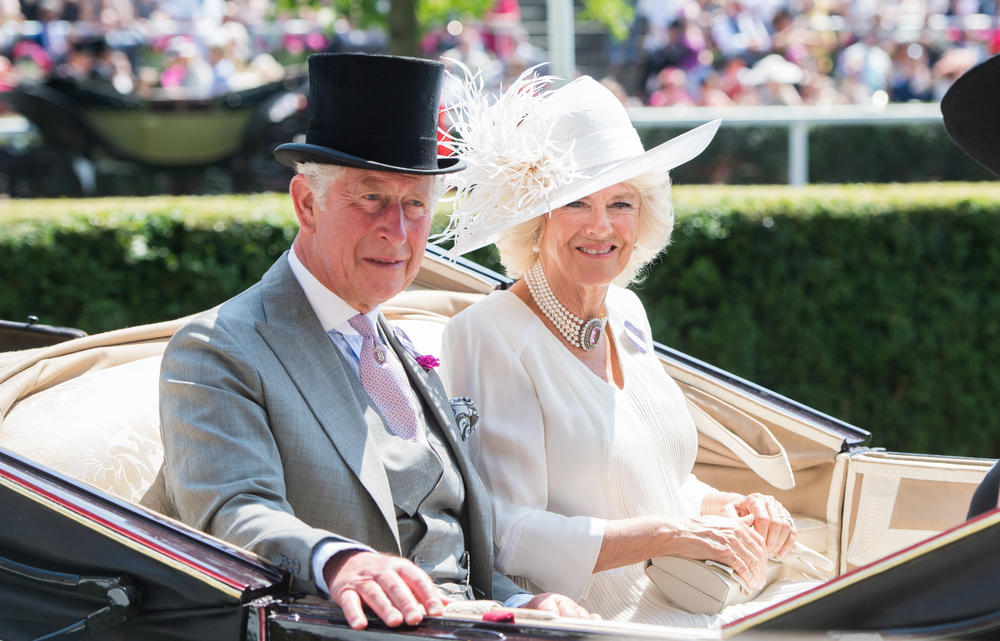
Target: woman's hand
770	518
731	541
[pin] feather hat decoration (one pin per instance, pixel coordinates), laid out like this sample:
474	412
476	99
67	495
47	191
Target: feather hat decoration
534	149
512	160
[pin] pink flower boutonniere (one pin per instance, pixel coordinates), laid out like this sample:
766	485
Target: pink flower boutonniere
428	362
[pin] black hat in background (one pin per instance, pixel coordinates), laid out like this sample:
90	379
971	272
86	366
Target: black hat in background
971	109
372	112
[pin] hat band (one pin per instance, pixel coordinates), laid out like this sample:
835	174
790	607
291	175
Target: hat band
602	148
399	151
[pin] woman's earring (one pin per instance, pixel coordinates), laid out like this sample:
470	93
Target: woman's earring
537	238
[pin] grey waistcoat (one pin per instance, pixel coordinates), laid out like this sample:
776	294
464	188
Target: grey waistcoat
428	493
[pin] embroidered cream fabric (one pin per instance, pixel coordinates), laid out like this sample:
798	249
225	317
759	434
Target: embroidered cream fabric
101	428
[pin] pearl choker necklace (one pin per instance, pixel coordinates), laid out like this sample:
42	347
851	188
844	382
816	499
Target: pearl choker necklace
576	331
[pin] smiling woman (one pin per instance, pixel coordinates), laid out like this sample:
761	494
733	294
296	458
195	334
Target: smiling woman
587	445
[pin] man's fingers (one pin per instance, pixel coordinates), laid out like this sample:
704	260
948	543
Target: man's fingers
423	589
350	603
391	599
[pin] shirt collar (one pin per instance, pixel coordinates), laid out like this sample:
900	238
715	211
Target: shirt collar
332	310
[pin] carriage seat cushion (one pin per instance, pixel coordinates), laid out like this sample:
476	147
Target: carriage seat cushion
101	428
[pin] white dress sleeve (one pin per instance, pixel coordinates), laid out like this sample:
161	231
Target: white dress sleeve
554	551
693	492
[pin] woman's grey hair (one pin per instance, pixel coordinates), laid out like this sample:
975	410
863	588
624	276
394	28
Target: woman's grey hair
322	175
656	221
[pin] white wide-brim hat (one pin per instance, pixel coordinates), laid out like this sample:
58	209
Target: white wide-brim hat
534	150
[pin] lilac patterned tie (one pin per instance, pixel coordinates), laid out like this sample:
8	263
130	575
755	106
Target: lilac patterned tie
384	380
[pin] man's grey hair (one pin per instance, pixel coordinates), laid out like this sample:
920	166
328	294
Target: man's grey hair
322	175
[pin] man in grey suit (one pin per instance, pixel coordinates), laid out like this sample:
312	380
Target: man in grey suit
295	422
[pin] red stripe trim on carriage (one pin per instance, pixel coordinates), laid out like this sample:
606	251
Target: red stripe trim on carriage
145	542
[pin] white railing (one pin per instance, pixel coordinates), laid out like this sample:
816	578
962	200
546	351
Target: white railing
797	119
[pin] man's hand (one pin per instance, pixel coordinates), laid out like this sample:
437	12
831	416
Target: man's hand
394	588
559	605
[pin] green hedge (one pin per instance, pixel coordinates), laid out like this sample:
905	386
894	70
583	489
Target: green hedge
107	263
878	305
837	154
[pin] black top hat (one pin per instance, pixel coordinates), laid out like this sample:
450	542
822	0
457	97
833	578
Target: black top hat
971	117
372	112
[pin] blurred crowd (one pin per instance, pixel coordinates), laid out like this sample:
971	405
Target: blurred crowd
766	52
722	52
189	48
678	52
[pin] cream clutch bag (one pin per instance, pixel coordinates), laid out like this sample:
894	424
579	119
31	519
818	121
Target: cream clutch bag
706	587
702	587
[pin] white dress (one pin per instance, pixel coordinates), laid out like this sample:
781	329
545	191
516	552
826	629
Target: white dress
562	451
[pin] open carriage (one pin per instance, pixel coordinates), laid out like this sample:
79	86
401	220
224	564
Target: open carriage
89	546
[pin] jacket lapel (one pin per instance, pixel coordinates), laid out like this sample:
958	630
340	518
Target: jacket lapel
426	383
326	382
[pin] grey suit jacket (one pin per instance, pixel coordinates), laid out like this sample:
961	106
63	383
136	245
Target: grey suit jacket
267	444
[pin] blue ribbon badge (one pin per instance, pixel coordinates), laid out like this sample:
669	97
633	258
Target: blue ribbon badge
636	337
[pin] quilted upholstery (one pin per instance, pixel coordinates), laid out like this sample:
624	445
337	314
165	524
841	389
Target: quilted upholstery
101	428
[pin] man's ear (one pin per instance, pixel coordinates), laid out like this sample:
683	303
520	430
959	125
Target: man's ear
304	202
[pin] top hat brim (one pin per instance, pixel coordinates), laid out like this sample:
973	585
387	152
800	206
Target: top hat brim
291	153
970	113
663	157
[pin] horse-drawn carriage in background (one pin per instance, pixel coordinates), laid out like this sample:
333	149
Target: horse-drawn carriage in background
92	140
